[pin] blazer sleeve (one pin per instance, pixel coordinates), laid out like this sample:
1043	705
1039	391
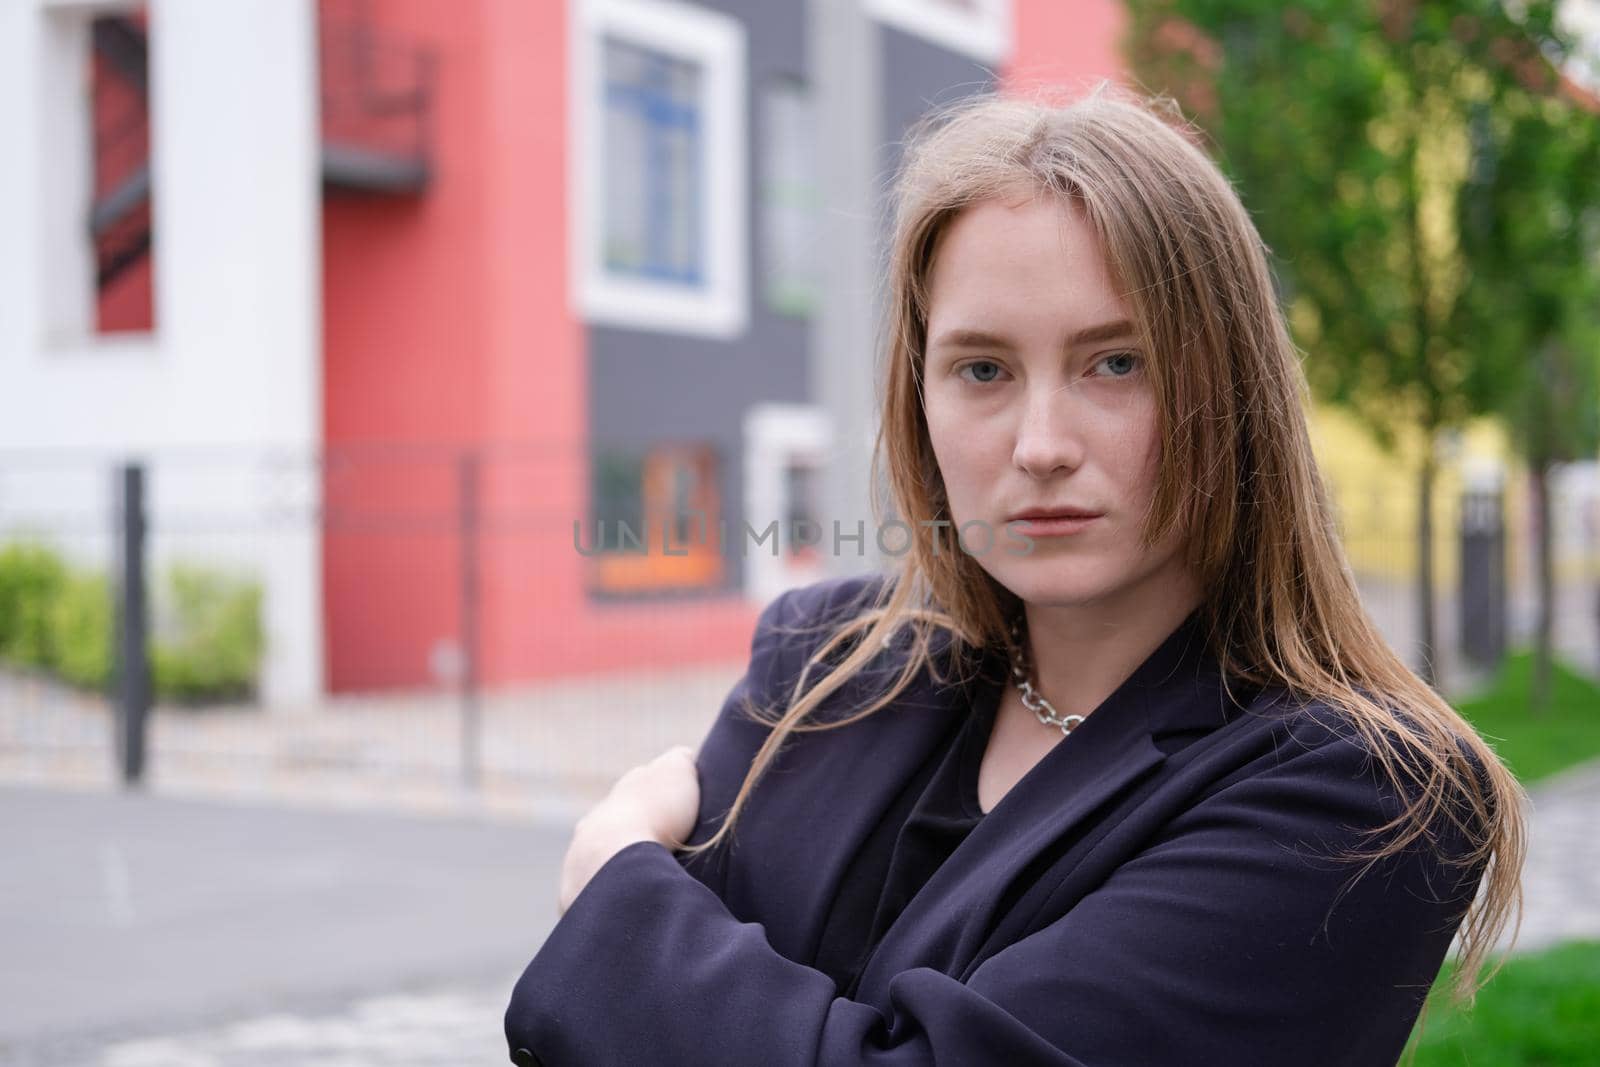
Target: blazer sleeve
729	747
1223	942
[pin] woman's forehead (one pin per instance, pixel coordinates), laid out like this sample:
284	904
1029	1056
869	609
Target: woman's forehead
995	251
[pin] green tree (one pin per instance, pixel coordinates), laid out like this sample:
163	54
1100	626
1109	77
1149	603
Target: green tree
1530	226
1349	126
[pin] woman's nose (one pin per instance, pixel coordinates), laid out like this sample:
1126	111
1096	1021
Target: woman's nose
1047	437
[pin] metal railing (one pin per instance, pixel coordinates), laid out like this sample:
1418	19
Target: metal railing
393	550
411	559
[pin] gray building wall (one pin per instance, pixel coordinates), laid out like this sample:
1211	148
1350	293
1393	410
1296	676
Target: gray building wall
919	76
649	387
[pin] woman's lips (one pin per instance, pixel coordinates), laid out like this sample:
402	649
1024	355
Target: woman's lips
1051	527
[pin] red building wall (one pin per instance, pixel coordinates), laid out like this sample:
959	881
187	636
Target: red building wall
447	324
1064	44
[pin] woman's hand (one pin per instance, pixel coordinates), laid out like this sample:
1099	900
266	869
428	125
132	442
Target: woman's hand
656	801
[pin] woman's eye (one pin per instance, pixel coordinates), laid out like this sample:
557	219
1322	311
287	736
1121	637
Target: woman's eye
1123	363
984	371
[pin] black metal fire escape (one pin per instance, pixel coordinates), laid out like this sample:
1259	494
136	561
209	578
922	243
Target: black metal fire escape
377	104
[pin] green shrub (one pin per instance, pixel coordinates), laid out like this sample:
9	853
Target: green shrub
210	640
206	643
82	631
32	576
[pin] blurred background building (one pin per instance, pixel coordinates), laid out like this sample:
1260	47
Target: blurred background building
407	308
370	264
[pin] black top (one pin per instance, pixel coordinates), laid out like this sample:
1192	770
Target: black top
931	816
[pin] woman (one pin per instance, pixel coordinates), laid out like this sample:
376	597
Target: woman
1113	768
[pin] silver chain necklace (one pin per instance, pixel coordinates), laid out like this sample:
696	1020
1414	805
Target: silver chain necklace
1032	699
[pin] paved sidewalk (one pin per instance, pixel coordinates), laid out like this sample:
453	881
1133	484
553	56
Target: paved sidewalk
447	1027
548	751
1561	880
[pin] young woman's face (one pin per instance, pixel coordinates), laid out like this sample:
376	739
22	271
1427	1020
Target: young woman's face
1037	395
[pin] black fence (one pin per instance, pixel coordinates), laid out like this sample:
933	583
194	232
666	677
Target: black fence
152	609
156	609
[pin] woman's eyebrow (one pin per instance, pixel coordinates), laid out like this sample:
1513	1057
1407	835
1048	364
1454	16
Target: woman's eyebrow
1105	331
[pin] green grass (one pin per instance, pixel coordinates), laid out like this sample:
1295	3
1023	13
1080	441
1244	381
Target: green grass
1540	1010
1536	746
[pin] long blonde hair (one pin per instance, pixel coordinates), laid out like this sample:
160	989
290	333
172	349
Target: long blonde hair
1236	468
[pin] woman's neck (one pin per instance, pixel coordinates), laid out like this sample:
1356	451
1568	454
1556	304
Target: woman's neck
1081	653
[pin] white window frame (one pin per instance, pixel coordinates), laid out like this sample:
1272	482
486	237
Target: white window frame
985	36
774	436
717	43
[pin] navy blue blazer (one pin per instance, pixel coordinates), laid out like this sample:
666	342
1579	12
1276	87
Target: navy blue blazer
1150	892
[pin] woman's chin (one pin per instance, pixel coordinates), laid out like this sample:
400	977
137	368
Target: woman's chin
1060	588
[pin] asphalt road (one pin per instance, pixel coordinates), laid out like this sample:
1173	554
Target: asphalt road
123	915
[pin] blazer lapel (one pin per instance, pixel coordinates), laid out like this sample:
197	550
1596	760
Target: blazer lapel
841	782
1062	799
840	789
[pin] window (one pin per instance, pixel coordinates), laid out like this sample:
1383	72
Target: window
119	209
97	228
978	28
788	198
654	158
656	518
785	446
658	180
